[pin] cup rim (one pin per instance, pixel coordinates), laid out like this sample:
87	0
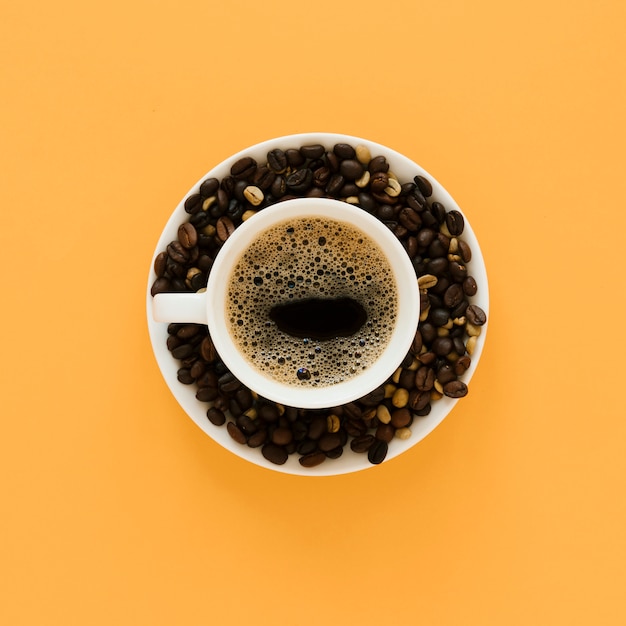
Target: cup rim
405	168
339	393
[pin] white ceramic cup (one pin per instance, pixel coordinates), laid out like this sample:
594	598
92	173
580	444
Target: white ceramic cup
405	168
211	307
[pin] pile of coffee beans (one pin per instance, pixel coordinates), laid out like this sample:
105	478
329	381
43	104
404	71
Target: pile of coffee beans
444	340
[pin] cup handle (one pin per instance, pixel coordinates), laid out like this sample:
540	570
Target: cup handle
189	308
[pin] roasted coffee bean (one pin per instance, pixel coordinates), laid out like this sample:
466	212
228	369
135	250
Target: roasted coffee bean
453	296
458	271
424	378
351	169
277	161
321	176
247	425
177	252
424	185
187	235
307	446
446	374
458	346
355	428
410	219
183	351
455	222
257	439
225	228
268	412
209	187
228	383
160	285
294	157
184	376
344	151
437	266
335	184
313	151
282	436
243	168
362	443
263	178
193	203
385	432
187	331
475	315
401	418
312	459
438	316
379	182
236	433
442	346
274	454
300	180
378	164
418	399
465	251
377	452
160	263
279	187
455	389
462	365
329	441
216	416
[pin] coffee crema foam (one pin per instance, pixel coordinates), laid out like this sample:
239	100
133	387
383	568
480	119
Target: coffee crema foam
302	259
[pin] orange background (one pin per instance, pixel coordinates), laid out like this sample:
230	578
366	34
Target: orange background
116	509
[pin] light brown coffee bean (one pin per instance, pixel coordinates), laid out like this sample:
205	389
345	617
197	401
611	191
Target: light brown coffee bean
224	228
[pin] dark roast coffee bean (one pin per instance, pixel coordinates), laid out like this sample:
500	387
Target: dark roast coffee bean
423	184
469	286
300	180
458	345
321	176
313	459
462	365
437	266
344	151
177	252
313	151
209	187
274	454
378	164
329	441
268	412
244	168
246	424
442	346
455	222
279	187
446	374
282	436
401	418
183	351
438	316
453	296
294	158
418	399
424	378
187	331
458	271
236	433
335	453
438	211
385	432
455	389
216	416
223	200
379	182
410	219
475	315
306	447
351	169
193	203
362	443
184	376
416	201
277	161
263	178
465	251
377	452
335	184
160	285
257	439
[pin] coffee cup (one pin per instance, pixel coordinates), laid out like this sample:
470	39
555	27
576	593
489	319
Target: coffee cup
310	303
